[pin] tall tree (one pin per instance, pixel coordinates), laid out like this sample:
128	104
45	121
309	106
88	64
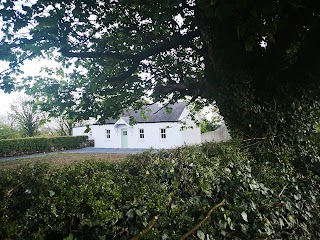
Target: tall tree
258	59
25	117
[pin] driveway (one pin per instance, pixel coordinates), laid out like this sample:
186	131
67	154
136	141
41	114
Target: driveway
82	150
107	150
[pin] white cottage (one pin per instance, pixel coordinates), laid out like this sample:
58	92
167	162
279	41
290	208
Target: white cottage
153	127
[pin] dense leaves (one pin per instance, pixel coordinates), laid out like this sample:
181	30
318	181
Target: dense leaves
6	131
161	196
23	146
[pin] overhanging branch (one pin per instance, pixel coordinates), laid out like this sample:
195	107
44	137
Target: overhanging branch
106	54
161	47
135	59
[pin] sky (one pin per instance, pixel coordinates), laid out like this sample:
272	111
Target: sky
30	68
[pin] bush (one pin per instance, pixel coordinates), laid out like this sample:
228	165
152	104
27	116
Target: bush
21	146
6	131
161	195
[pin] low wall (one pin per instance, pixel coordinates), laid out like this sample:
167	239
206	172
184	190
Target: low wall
218	135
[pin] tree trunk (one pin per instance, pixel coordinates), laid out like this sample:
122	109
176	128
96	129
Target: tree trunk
269	95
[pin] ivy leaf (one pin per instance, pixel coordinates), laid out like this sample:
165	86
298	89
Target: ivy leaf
244	216
70	237
130	213
51	193
201	235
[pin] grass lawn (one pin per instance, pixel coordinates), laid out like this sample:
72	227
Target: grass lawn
62	159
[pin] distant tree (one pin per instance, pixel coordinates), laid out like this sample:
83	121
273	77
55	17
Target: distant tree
62	126
25	116
208	126
210	118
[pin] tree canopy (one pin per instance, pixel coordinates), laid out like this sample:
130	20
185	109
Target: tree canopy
259	60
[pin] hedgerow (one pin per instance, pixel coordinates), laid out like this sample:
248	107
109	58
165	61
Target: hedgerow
213	191
22	146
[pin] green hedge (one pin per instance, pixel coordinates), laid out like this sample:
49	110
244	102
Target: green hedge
214	190
21	146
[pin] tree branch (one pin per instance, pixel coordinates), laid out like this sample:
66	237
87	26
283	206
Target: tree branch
203	220
135	58
181	40
161	47
282	191
16	64
107	54
147	229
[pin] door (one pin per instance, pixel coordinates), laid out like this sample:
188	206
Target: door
124	138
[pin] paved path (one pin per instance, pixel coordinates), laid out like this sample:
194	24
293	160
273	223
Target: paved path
82	150
106	150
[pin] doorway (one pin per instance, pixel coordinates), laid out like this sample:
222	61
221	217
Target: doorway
124	138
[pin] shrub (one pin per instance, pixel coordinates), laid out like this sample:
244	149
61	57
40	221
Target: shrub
20	146
161	195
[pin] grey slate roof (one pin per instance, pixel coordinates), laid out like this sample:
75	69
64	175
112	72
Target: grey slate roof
154	113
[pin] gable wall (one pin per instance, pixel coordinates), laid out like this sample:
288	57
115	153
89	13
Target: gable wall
80	131
191	134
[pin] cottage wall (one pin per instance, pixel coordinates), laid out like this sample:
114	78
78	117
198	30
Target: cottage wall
152	135
176	133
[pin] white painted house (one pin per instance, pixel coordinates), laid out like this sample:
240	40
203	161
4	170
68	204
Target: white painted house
154	127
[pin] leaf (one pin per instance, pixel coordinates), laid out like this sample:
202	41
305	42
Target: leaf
51	193
201	235
42	122
130	213
297	196
70	237
138	212
244	216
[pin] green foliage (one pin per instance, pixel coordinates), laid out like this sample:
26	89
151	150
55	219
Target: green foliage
57	96
21	146
161	196
268	95
208	126
6	131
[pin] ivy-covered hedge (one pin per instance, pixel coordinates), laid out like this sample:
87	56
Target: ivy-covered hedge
21	146
210	192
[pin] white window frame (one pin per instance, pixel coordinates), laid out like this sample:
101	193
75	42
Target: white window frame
163	134
107	134
141	134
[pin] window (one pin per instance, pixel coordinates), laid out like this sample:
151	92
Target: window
108	134
163	134
141	133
